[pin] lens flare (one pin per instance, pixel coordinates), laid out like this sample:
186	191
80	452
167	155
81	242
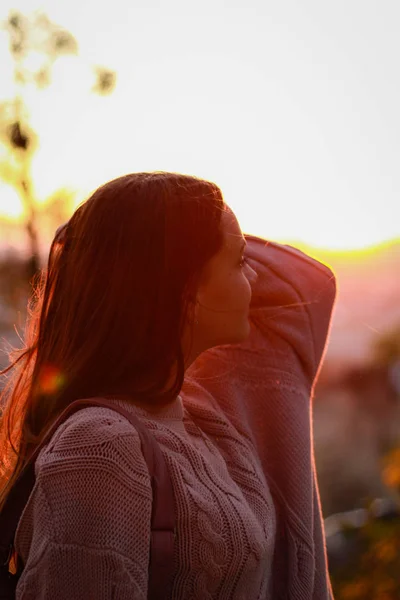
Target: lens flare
51	379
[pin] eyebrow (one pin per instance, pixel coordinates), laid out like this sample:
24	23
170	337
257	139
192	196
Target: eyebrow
243	244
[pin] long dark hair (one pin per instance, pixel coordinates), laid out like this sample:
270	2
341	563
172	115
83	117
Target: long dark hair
107	314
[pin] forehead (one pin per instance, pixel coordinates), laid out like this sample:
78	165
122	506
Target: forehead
233	235
233	239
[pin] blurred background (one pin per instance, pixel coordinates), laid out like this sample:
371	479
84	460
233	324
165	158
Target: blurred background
292	109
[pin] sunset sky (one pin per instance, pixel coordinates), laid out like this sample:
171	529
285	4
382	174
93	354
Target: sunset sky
291	107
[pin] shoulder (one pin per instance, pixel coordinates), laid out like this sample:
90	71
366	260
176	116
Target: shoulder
91	481
92	490
100	435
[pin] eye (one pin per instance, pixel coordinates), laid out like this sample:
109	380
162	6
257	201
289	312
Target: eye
243	262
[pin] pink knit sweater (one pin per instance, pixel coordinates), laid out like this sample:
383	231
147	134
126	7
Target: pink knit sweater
238	442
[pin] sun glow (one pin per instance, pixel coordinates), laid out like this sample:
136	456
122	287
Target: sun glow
11	208
280	137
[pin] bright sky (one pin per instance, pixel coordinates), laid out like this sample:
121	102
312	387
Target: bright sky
292	108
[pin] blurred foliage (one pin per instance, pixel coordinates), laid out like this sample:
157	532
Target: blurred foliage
14	291
391	469
105	80
387	347
373	573
39	37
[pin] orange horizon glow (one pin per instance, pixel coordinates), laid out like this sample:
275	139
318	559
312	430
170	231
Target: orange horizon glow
332	257
14	219
278	136
12	215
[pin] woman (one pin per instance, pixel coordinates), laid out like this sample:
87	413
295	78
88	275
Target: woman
155	299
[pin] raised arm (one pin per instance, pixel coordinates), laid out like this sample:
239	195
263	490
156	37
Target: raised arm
292	302
290	316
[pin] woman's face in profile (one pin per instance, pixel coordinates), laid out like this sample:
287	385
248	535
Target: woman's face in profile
223	299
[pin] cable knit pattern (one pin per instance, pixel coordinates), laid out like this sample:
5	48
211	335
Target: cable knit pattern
239	445
91	508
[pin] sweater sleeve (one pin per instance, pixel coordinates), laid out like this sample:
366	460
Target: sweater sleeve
85	531
292	301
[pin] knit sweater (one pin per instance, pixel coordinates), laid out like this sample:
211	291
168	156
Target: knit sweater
238	443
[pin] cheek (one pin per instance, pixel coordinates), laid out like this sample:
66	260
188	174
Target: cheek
227	293
220	295
234	291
